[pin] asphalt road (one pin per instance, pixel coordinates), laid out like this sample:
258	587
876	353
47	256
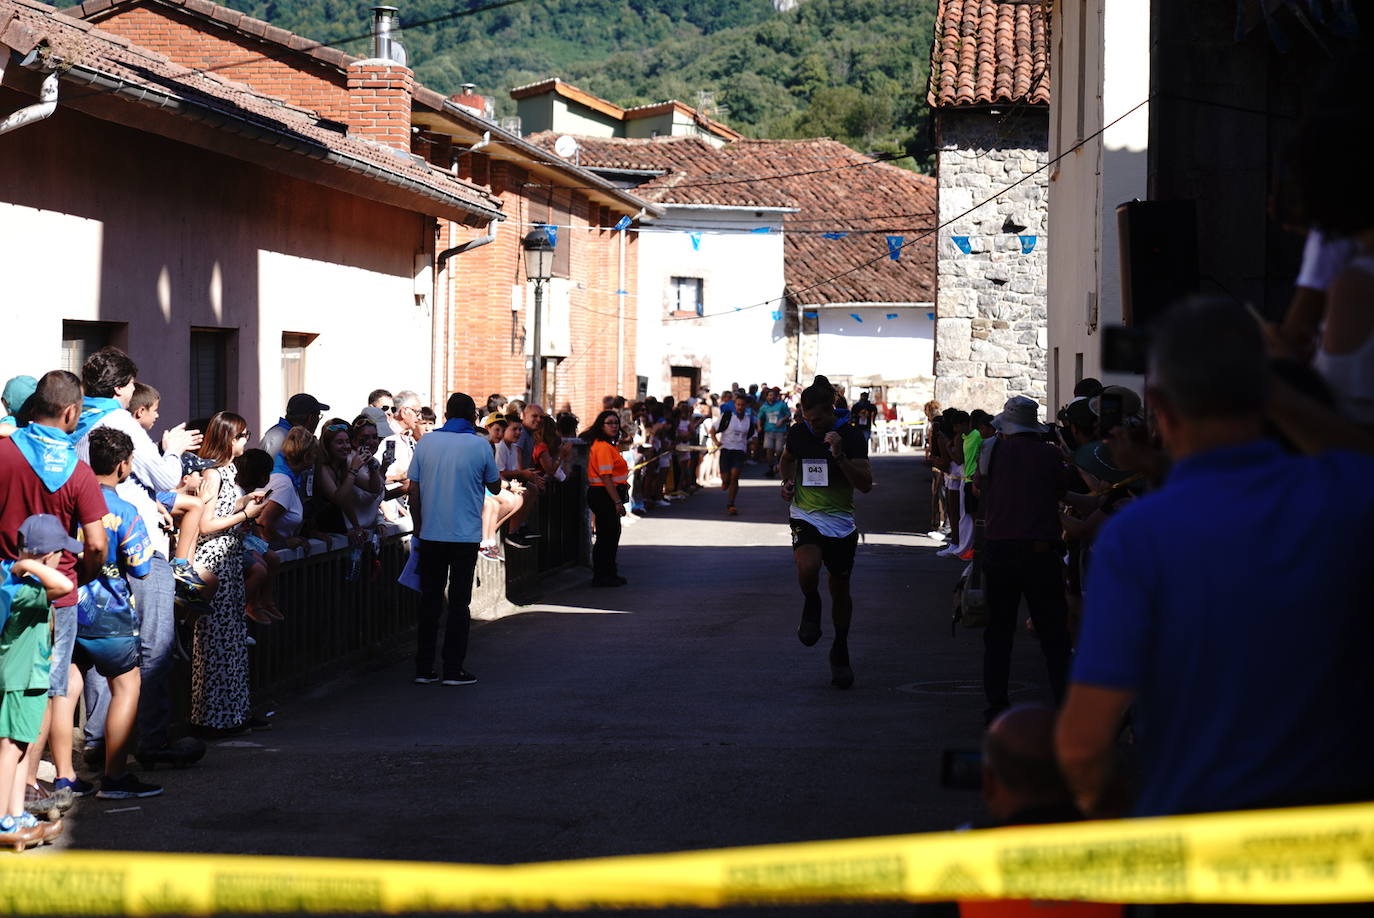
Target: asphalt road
678	712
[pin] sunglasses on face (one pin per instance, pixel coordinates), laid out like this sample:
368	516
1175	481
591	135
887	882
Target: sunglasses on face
388	408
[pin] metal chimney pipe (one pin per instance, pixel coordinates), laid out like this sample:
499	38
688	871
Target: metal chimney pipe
383	21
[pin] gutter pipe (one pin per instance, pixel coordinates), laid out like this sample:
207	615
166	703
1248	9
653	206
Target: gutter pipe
43	108
237	124
442	258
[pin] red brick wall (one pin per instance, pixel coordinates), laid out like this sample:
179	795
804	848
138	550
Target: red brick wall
193	42
379	102
486	356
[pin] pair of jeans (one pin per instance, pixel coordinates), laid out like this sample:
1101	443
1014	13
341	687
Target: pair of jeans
602	505
154	600
1013	569
444	567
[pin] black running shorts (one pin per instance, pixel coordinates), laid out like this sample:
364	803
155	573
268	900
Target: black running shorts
837	554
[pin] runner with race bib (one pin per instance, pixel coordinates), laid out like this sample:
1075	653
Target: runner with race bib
825	458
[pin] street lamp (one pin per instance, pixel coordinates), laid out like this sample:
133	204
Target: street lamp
539	248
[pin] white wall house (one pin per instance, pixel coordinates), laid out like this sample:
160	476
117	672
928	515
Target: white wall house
1100	71
707	261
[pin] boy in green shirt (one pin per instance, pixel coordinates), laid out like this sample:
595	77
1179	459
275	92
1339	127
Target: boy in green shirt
27	588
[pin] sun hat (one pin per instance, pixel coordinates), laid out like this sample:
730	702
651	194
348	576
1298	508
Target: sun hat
1095	458
1130	401
1019	415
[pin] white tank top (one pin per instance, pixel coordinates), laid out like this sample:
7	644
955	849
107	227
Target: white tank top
1351	375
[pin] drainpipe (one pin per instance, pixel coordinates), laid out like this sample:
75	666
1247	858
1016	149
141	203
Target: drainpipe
620	318
41	109
442	258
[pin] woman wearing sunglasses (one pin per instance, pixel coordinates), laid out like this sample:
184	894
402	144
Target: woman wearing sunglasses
219	660
607	488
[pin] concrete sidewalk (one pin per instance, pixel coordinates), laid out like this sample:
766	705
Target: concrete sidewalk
677	712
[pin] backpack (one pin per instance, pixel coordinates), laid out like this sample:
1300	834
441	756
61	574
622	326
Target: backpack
725	423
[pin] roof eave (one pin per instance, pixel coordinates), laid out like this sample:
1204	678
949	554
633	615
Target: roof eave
585	180
387	186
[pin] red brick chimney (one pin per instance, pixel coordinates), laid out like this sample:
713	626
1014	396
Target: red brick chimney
479	105
379	95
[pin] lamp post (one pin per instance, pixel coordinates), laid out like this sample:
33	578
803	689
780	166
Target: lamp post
539	249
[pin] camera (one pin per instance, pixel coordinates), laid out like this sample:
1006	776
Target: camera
1125	349
961	769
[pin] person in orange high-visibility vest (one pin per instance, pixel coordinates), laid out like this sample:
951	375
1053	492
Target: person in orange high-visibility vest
607	489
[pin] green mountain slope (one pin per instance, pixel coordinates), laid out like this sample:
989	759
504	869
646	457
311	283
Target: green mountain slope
855	70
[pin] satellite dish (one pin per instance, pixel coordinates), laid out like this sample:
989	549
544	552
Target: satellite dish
565	147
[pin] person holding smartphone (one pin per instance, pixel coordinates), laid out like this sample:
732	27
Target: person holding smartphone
219	656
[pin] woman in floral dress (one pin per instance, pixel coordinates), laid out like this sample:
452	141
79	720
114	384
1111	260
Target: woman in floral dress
219	660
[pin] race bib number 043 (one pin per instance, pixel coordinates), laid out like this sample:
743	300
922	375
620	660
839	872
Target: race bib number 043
815	473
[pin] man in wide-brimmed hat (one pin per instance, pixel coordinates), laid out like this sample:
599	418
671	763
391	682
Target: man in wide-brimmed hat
1022	485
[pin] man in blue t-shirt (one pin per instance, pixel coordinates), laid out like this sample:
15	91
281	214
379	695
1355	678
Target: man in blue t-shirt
775	417
1230	606
451	473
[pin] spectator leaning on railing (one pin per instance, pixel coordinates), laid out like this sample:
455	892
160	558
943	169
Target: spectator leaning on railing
1230	606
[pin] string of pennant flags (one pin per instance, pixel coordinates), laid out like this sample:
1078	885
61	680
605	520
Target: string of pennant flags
896	244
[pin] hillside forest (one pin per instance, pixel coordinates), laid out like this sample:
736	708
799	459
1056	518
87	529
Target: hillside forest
854	70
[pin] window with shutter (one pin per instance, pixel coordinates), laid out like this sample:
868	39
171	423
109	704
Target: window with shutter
209	388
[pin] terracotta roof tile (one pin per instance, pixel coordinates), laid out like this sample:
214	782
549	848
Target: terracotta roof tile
832	187
70	42
988	52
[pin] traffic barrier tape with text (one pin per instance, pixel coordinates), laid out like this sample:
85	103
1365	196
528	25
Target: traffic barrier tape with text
1307	855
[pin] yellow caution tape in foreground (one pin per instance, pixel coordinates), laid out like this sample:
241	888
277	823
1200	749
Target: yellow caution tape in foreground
1320	854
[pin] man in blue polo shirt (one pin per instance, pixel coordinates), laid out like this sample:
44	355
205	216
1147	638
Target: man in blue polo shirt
1231	605
451	473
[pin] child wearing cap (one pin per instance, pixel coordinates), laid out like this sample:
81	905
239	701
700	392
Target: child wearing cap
27	588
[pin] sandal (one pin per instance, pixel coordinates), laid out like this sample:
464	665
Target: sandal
257	615
731	511
272	611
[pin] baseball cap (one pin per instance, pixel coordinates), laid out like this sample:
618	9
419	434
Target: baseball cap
495	417
43	533
18	390
302	403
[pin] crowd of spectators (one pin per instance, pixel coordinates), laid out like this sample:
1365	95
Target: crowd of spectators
184	533
1193	552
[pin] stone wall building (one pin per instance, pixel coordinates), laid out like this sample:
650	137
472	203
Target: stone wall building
989	92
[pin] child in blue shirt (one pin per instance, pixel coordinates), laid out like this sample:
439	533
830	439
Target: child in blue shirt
107	624
27	588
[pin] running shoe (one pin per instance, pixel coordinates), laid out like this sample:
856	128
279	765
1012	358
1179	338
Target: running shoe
462	677
491	553
841	674
731	511
126	787
809	631
77	786
186	576
428	678
660	503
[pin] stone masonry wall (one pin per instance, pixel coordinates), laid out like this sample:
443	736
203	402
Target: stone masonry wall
991	307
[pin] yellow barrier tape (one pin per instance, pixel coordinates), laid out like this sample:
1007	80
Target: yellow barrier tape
1319	854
